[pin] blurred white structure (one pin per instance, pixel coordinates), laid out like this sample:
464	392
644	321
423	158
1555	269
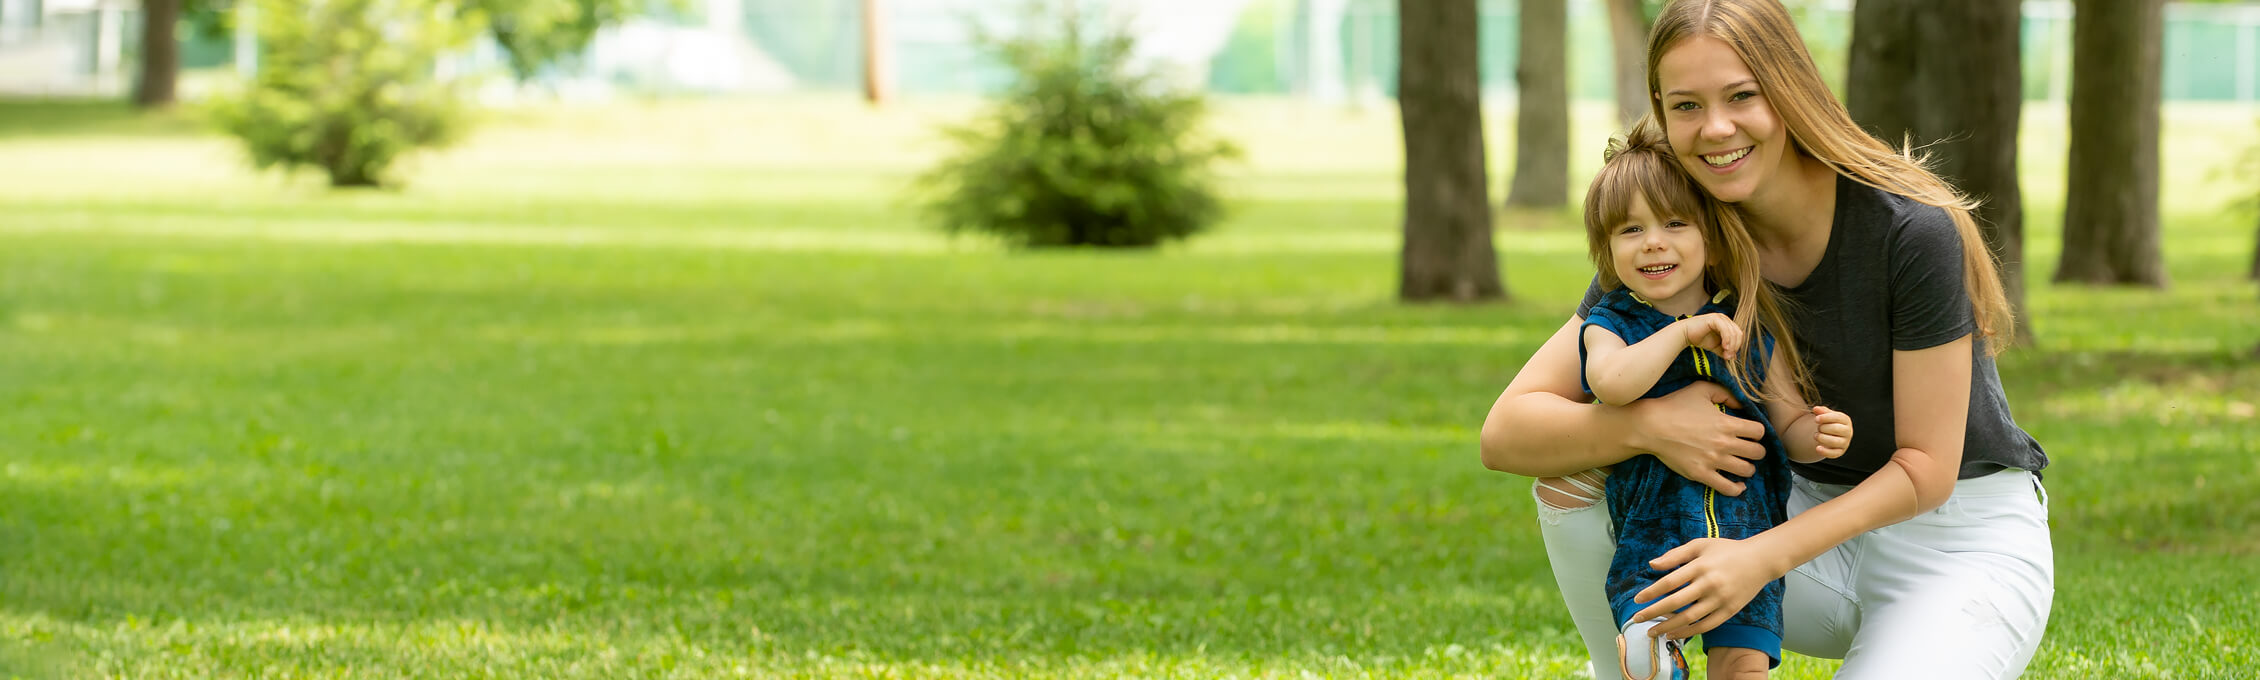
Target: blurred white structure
1333	52
66	47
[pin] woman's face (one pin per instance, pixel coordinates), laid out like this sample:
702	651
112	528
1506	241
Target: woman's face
1720	126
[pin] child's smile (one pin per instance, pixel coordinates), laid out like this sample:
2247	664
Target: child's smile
1660	258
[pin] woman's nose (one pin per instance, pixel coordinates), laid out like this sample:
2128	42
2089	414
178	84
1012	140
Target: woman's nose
1716	126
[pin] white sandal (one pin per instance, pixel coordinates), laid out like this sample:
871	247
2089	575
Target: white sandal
1653	655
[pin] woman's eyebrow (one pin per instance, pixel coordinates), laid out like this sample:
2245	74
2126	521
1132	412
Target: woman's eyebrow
1728	86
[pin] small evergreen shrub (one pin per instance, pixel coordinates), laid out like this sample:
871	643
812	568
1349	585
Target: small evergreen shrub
347	86
1084	149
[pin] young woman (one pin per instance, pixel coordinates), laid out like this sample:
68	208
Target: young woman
1924	548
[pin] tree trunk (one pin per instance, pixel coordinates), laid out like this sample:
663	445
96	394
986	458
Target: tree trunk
1884	66
1447	251
2111	229
1944	75
878	59
1628	37
160	54
1542	108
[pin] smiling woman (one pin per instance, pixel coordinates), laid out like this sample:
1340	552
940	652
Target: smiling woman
1898	307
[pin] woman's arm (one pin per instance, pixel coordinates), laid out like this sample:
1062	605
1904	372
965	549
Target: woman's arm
1541	426
1931	406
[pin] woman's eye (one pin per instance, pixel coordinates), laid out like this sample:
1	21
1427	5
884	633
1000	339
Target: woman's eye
1745	94
1683	106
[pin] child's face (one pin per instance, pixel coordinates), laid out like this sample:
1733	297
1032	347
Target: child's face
1660	257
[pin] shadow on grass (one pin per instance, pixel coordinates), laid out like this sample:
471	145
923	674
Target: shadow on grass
20	118
2217	372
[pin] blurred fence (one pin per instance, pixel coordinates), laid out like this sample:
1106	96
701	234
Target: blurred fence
1325	50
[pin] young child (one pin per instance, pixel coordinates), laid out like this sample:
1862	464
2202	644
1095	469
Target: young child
1684	302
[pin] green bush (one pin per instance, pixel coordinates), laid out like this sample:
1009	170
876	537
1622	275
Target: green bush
347	86
1082	150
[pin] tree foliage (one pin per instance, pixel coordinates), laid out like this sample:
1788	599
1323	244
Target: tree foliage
538	33
1084	149
347	86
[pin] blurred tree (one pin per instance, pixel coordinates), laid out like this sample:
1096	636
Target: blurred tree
1084	149
160	54
347	86
2111	229
878	61
1447	252
1541	176
2247	170
1944	77
537	33
1628	38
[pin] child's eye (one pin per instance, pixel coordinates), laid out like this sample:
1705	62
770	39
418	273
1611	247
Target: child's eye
1676	224
1629	229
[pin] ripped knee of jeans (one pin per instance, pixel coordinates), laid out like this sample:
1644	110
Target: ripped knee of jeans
1560	496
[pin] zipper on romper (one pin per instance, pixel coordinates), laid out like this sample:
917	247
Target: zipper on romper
1710	495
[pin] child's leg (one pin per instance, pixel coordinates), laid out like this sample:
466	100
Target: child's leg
1737	663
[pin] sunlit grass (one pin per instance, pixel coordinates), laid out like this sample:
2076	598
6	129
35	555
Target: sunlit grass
683	390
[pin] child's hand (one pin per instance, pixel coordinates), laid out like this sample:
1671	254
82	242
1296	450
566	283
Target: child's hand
1715	332
1834	434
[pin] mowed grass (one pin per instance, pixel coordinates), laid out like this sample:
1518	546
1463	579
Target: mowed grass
685	390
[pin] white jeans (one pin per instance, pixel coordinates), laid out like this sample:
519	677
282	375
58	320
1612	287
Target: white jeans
1962	591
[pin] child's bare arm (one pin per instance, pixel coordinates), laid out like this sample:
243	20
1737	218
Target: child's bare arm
1620	373
1809	433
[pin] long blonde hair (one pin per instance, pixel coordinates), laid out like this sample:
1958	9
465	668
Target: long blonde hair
1761	33
1640	164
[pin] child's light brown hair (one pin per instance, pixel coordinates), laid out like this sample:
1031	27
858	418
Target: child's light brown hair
1640	163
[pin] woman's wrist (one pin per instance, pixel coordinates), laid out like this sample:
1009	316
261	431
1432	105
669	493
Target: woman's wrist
1777	547
1633	420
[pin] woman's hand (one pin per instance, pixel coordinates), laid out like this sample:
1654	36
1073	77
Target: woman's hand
1687	431
1713	578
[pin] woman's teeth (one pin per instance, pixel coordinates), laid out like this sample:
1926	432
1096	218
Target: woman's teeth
1722	160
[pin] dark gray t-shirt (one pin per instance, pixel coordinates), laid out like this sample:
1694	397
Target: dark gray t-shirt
1891	280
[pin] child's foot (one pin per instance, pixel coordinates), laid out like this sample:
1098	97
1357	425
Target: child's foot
1649	658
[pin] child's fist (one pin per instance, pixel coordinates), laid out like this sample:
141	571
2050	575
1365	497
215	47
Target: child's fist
1834	434
1715	332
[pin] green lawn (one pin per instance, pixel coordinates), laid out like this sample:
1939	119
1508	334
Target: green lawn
682	390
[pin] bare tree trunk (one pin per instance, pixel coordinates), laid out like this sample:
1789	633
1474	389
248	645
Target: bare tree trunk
2111	230
1628	39
1944	74
1885	68
1542	110
160	54
1447	253
2255	273
878	60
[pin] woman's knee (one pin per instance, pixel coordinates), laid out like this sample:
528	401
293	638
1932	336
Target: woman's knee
1573	492
1559	496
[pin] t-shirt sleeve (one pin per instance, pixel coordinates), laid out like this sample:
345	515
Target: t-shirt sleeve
1595	317
1592	297
1930	305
